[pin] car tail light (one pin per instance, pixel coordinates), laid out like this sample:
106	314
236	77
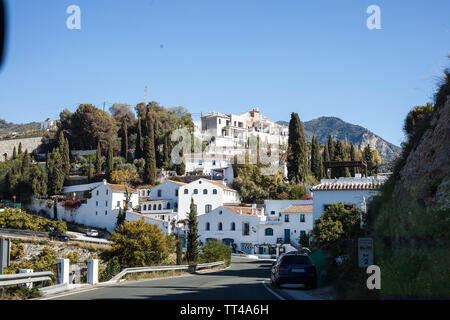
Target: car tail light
282	268
311	268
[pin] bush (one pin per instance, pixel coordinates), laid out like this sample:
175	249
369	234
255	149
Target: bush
17	251
19	219
214	251
112	268
72	256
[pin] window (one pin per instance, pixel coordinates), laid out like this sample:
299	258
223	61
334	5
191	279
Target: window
272	212
233	226
246	229
168	205
145	207
302	233
96	203
118	204
207	226
205	191
268	232
302	218
195	191
106	191
159	193
208	208
220	121
159	206
176	205
97	192
96	213
176	193
214	162
154	207
219	226
106	212
214	191
200	162
186	191
286	218
106	203
148	193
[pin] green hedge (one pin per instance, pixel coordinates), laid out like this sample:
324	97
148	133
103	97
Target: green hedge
18	219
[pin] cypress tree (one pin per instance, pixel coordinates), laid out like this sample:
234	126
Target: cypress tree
339	155
166	160
26	162
352	158
150	160
179	250
124	145
55	209
316	161
192	237
297	158
368	158
139	141
326	158
330	148
56	172
98	160
14	153
66	155
109	161
20	149
91	171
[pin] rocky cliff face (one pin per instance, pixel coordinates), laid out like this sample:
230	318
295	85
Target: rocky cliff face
430	161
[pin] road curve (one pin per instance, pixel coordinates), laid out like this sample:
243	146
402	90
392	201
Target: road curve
242	281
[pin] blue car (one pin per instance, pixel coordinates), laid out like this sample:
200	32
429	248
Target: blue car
294	268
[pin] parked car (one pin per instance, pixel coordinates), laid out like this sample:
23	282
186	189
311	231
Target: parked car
60	236
294	268
92	233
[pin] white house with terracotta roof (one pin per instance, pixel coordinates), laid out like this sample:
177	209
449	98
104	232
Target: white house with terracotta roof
99	204
217	166
355	191
259	230
207	195
165	226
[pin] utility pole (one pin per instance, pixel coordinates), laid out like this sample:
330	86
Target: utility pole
145	95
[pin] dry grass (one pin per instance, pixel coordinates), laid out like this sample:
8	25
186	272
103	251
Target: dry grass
164	274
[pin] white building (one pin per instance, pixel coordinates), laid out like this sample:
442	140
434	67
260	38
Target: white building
216	166
355	191
98	204
258	230
207	195
160	201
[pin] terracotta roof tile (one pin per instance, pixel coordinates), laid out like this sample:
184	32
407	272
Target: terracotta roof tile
242	210
120	187
298	209
221	185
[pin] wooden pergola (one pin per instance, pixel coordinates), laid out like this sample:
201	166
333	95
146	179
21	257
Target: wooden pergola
346	164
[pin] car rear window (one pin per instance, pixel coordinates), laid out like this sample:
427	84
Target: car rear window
296	260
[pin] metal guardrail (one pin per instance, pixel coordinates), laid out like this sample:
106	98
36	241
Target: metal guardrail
25	232
22	278
165	268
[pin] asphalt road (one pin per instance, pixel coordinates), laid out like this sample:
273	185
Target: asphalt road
243	280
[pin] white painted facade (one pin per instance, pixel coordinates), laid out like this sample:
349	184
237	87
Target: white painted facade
216	166
356	191
207	195
100	210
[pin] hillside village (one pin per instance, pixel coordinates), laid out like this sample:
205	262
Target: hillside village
212	178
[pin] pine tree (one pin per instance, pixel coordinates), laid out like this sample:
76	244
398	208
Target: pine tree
91	171
109	161
297	161
124	145
192	237
98	160
139	141
150	160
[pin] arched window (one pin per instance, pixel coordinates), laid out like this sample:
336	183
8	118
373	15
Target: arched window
205	191
159	206
269	232
208	208
219	227
154	207
186	191
168	205
195	191
233	226
207	226
145	207
214	191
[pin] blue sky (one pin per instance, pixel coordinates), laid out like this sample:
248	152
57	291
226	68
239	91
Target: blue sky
316	58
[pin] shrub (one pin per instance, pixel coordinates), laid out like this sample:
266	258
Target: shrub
112	268
19	219
17	251
72	256
215	250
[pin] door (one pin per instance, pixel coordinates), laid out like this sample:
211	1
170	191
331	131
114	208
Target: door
287	235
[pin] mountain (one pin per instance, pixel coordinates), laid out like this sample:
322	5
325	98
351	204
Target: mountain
324	126
8	127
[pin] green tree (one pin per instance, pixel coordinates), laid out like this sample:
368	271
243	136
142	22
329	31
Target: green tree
192	237
330	147
98	160
139	243
352	158
90	171
316	159
326	158
124	144
150	159
20	149
179	250
56	172
368	157
139	141
14	153
109	161
297	162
